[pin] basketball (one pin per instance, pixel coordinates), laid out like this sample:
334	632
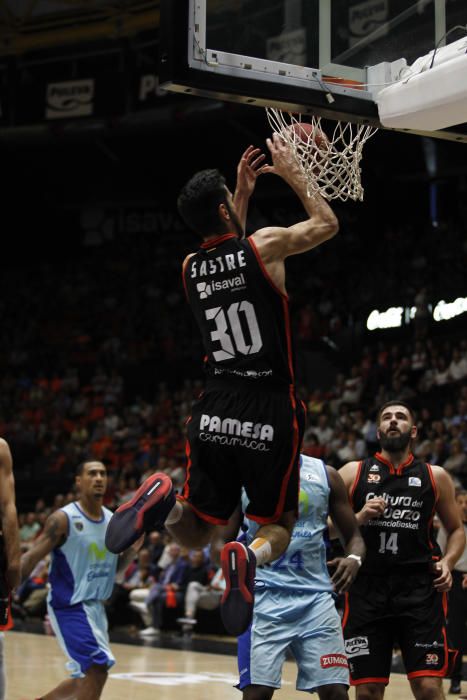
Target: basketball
310	143
303	131
306	133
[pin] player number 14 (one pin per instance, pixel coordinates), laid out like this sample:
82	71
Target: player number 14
388	544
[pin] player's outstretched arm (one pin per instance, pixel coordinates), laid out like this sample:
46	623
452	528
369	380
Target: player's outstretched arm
54	535
449	516
248	169
322	224
8	515
340	510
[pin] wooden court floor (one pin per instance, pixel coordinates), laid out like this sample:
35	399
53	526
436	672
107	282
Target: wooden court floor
34	665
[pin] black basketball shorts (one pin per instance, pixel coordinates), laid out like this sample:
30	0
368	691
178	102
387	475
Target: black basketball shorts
403	609
244	438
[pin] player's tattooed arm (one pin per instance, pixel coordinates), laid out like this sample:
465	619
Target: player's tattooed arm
54	535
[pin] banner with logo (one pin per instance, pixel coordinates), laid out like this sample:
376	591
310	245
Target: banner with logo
98	95
70	98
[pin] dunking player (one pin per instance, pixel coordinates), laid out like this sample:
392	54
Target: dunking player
81	577
246	429
9	548
294	603
400	593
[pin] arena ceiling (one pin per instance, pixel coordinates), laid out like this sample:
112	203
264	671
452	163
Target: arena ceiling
34	25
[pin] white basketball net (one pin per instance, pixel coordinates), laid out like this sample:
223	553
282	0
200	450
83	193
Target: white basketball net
332	165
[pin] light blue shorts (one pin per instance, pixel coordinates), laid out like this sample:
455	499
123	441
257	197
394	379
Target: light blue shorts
81	631
307	624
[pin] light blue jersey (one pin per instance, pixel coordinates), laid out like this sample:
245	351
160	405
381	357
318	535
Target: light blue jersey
303	566
82	569
294	607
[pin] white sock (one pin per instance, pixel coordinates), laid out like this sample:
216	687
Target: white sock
262	550
175	514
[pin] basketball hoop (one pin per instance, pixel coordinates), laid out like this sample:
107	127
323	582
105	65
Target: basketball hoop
331	164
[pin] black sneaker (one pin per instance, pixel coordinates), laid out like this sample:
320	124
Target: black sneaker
455	688
239	567
146	511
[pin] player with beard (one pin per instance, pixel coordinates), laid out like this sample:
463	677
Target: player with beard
400	594
246	429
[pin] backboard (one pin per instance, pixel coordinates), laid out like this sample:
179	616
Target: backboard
324	57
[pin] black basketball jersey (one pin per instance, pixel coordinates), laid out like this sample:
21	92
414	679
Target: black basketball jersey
243	317
403	536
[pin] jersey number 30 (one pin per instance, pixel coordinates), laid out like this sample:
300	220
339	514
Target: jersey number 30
230	330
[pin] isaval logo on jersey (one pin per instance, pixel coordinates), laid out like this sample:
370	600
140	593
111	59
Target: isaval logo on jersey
205	289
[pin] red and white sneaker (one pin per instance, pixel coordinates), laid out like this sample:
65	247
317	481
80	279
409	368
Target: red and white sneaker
239	568
147	510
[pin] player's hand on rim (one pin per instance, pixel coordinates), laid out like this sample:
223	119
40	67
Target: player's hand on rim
284	162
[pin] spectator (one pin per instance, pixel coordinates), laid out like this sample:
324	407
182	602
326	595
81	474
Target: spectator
457	368
169	591
322	430
353	448
311	446
30	597
456	463
441	375
201	597
136	578
155	545
461	413
29	529
353	387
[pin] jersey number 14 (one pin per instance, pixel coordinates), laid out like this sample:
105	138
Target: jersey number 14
388	544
